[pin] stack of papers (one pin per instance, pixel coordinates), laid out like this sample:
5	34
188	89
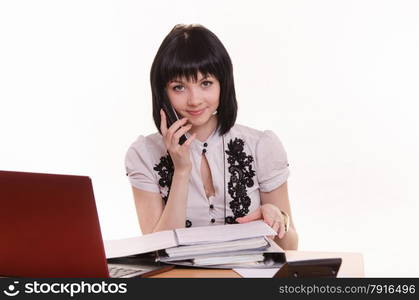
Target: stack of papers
217	247
220	246
229	259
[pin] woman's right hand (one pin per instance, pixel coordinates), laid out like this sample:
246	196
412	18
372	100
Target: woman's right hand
179	153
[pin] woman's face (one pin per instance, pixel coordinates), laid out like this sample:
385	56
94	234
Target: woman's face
196	101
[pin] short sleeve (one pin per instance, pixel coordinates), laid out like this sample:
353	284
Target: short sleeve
139	167
271	162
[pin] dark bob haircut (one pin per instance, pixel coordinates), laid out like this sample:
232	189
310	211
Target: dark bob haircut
185	51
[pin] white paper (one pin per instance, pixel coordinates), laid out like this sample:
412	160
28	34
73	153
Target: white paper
221	233
232	259
217	247
141	244
256	273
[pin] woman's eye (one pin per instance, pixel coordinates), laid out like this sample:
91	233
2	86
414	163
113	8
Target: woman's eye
206	83
178	88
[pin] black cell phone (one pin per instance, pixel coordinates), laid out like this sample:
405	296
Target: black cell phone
172	117
328	267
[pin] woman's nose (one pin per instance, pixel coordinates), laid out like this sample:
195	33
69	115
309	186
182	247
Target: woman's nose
194	97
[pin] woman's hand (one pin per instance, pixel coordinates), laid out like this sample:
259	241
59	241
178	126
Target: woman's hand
271	215
179	153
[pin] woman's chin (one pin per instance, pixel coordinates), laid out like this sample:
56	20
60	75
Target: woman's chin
199	120
197	123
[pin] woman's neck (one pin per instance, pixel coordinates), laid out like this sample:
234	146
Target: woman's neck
204	131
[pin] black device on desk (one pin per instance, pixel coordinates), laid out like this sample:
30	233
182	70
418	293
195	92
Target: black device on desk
325	268
172	117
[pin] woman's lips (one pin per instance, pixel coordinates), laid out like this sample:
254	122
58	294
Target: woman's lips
195	112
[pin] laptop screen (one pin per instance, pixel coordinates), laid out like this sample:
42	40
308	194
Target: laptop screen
49	227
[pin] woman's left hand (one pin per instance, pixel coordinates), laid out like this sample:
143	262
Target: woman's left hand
270	214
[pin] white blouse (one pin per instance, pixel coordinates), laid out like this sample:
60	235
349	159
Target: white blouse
243	162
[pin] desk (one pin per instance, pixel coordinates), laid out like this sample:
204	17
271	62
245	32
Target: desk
352	266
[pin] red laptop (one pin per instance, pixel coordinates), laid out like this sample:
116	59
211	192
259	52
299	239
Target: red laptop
49	227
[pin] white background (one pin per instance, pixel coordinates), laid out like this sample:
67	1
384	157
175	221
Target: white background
336	80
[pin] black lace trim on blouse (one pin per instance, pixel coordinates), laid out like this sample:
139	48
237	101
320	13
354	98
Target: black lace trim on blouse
242	173
165	170
241	177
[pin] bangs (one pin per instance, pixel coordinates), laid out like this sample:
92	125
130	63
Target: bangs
189	58
180	70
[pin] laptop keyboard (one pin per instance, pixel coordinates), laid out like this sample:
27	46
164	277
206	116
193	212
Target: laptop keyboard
117	272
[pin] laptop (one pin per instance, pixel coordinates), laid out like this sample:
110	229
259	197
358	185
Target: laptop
49	227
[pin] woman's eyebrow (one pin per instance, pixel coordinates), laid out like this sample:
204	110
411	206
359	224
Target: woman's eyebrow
180	80
177	81
205	77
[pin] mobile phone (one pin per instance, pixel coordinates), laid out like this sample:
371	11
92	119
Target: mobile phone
328	267
172	117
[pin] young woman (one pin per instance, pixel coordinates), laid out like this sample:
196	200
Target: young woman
223	173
